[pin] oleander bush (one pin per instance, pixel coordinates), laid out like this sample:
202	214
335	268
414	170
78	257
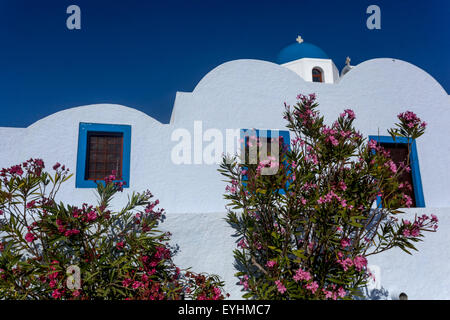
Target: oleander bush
306	229
50	250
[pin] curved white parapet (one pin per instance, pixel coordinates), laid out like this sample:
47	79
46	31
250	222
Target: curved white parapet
104	112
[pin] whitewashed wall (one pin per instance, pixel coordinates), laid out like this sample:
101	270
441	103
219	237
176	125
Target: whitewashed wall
250	94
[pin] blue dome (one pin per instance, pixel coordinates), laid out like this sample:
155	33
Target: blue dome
300	50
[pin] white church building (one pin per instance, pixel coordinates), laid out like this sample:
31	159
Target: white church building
242	94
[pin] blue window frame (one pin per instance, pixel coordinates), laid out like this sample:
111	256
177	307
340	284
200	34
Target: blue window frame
85	129
245	133
414	164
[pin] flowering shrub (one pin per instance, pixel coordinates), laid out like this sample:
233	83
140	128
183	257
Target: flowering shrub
306	231
49	250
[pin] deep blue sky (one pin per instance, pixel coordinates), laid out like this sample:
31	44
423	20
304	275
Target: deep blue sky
139	53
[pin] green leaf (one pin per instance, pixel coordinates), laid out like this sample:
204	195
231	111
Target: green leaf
247	295
299	253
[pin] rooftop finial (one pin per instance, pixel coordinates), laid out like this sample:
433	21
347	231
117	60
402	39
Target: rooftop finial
347	61
299	39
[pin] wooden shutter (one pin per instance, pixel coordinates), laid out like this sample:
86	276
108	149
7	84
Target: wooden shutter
104	155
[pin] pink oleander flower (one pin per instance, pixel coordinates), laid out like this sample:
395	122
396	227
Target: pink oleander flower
231	189
56	294
342	185
408	200
271	263
415	232
126	283
119	245
372	144
31	204
341	292
244	281
392	166
345	263
52	283
312	286
360	262
411	120
349	113
217	293
76	293
137	285
109	179
280	287
242	243
301	275
16	170
345	242
333	140
92	215
328	294
53	275
29	237
71	232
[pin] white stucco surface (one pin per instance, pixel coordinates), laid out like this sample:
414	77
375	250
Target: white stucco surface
250	94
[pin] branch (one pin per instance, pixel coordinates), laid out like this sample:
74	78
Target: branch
259	266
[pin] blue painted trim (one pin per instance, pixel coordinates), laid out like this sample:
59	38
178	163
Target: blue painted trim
84	129
264	134
414	163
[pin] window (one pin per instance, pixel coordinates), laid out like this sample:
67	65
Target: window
104	155
102	149
317	75
265	137
399	151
